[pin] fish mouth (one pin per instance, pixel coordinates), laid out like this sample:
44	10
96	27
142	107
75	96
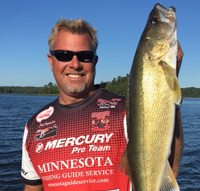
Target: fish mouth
166	15
171	9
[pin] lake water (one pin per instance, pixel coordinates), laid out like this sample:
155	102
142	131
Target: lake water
15	110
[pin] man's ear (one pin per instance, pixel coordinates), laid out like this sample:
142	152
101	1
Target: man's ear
49	57
96	59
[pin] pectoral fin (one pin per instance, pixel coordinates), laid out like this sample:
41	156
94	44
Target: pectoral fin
177	92
169	182
124	166
170	75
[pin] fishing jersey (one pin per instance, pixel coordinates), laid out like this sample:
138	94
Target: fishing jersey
77	146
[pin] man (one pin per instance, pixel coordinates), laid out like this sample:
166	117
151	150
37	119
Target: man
73	153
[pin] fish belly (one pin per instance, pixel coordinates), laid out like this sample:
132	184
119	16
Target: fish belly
151	123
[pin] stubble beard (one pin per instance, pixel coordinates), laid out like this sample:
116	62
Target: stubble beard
75	89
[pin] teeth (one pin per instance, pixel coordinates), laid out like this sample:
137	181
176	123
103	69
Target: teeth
74	75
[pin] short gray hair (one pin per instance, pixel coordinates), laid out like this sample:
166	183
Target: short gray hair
78	26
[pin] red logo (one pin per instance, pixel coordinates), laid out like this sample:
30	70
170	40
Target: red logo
45	114
100	120
105	104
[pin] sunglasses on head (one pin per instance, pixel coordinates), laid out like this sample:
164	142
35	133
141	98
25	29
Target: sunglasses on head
66	55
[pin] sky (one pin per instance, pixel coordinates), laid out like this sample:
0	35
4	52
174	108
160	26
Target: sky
26	24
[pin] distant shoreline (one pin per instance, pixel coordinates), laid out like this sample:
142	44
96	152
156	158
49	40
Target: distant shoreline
29	94
118	86
58	95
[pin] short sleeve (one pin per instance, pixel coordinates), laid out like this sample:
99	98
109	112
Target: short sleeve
28	173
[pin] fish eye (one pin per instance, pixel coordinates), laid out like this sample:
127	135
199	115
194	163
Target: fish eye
153	21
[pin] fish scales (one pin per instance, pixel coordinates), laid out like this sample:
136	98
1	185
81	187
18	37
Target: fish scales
149	134
151	101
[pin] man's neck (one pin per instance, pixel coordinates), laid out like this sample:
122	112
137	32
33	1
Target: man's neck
65	99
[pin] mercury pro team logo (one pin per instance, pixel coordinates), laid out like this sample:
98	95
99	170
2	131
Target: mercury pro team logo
46	133
45	114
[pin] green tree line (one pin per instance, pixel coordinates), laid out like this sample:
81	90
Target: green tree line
50	88
117	85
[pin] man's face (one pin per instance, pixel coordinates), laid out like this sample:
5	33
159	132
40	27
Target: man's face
74	78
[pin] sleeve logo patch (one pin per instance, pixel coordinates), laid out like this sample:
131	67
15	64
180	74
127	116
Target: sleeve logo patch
45	114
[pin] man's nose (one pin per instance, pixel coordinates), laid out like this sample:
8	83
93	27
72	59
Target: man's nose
74	63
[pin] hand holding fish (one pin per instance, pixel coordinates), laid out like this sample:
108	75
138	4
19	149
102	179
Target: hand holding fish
179	58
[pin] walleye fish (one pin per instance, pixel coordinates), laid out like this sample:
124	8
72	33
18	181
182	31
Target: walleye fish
153	93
